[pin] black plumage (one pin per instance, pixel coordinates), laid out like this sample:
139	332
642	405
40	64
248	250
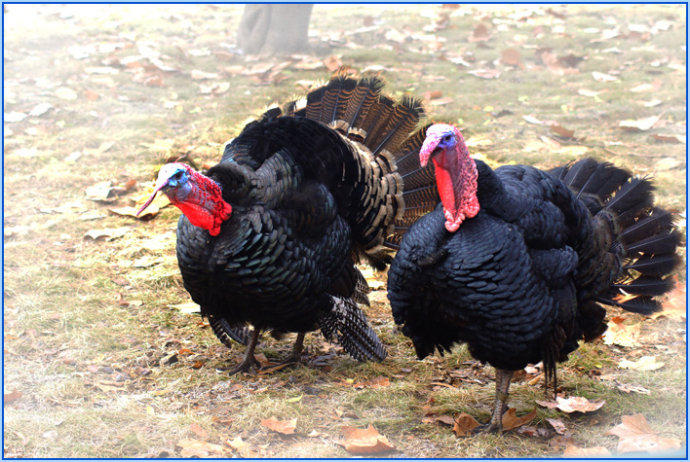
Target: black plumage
310	198
522	281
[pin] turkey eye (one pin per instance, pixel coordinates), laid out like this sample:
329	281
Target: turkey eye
446	138
177	176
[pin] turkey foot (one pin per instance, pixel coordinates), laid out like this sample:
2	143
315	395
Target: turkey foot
249	359
296	353
500	401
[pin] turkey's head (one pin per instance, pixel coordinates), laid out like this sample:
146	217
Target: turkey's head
199	197
456	173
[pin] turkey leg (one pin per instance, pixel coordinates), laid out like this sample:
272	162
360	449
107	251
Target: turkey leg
249	359
297	348
500	401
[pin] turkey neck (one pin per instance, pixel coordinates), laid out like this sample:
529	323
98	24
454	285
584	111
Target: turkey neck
456	179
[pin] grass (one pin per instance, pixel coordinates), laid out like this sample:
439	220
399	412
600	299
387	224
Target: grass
90	328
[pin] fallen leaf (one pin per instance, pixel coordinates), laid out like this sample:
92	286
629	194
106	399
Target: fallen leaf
201	75
14	116
645	363
378	382
442	101
620	334
364	441
593	452
286	427
675	305
601	77
676	139
511	421
512	57
639	124
242	447
626	388
485	73
198	431
40	109
187	308
480	33
637	436
590	93
562	131
532	120
557	425
12	396
66	93
464	424
444	419
196	448
573	404
108	233
101	192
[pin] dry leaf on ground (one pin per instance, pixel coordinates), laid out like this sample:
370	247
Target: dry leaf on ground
464	425
637	436
444	419
601	77
12	396
481	33
639	124
286	427
573	404
364	441
627	388
485	73
674	307
645	363
242	447
108	233
197	448
557	425
511	420
197	430
621	334
378	382
596	451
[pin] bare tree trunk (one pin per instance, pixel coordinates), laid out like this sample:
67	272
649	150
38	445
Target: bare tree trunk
274	28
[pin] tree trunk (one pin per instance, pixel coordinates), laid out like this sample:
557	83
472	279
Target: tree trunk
274	28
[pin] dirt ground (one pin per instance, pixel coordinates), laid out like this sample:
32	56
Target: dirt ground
106	356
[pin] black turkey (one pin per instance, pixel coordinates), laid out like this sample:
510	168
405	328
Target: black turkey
516	262
269	237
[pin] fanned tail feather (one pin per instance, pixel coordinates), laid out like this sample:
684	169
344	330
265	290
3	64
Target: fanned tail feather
642	239
347	324
226	332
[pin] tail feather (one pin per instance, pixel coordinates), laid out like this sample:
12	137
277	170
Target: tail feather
384	165
363	97
646	285
642	305
659	220
659	244
635	243
634	197
404	118
226	332
347	324
652	265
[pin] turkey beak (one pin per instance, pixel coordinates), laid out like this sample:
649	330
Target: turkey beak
160	186
429	150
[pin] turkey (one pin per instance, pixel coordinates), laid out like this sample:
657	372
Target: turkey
516	262
269	236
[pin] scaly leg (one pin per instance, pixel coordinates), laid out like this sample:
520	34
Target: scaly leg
500	401
249	359
297	348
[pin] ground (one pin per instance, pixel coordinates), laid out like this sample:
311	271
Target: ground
103	353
